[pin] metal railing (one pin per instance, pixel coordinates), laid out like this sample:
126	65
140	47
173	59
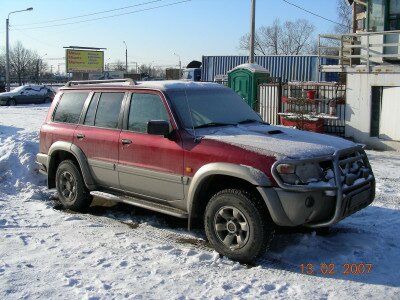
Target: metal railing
328	103
359	48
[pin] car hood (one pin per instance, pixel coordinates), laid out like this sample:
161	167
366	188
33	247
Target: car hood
278	141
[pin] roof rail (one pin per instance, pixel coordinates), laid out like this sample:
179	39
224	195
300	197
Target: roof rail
88	82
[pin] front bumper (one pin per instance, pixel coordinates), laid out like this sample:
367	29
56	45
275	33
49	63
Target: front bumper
42	162
319	206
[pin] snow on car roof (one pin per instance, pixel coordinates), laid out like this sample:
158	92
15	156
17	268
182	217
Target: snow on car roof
178	85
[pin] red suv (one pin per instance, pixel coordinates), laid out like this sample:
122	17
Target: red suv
198	151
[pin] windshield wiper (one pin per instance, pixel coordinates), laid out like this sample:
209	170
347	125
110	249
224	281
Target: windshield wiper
213	124
252	121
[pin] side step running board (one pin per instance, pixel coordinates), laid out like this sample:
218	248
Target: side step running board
158	207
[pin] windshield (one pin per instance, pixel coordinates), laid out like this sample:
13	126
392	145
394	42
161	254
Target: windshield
216	107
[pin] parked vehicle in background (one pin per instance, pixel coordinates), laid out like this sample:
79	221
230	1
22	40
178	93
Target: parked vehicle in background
27	94
192	74
197	151
2	84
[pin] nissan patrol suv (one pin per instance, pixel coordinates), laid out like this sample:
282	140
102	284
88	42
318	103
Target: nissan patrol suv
197	151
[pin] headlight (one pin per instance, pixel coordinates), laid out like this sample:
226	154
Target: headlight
300	174
311	172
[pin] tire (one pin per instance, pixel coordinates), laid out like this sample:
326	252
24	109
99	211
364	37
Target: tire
238	225
11	102
71	188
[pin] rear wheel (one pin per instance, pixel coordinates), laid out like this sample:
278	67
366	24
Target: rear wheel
11	102
238	225
71	188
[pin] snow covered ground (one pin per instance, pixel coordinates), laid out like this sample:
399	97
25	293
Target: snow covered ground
117	251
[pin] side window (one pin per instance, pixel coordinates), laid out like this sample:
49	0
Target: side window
91	112
70	107
108	110
145	107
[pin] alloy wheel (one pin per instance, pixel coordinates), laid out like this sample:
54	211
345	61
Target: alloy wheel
67	183
231	227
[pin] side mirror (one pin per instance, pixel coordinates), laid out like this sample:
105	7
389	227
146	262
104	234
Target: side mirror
158	127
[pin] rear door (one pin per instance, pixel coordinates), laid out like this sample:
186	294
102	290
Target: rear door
98	136
66	117
150	165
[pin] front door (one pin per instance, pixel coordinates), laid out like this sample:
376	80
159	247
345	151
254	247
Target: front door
150	165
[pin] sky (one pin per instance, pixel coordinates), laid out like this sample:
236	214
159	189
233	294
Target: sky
190	29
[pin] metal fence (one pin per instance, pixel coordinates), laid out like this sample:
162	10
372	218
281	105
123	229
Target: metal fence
325	101
269	103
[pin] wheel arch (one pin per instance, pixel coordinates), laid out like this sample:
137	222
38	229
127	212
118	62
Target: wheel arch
60	151
214	176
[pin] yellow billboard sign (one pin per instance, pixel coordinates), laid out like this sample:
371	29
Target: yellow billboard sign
84	61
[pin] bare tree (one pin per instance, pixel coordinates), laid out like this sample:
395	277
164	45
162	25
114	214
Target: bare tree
2	64
289	38
22	62
118	66
25	64
345	17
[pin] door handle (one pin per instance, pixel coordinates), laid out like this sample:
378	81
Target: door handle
80	136
126	142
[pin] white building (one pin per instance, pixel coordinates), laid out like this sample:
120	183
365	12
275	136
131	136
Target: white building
370	61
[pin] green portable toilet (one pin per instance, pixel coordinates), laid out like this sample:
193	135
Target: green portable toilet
244	80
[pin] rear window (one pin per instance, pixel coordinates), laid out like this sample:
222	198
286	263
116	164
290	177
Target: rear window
70	107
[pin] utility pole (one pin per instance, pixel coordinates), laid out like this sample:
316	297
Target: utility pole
180	64
8	47
126	57
252	30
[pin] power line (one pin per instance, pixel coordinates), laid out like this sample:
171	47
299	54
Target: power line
314	14
112	16
92	14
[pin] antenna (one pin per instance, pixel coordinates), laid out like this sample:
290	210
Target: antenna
191	116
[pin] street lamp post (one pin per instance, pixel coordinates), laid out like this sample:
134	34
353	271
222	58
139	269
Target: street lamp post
8	47
126	57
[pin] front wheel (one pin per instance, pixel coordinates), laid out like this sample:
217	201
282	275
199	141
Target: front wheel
238	225
11	102
71	188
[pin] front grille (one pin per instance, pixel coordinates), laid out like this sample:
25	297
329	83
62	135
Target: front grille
354	170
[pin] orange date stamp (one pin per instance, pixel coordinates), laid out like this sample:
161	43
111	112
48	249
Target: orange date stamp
331	269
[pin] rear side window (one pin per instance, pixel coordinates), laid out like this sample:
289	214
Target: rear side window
91	112
108	109
144	108
70	107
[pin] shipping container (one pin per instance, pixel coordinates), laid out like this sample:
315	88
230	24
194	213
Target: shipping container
287	68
